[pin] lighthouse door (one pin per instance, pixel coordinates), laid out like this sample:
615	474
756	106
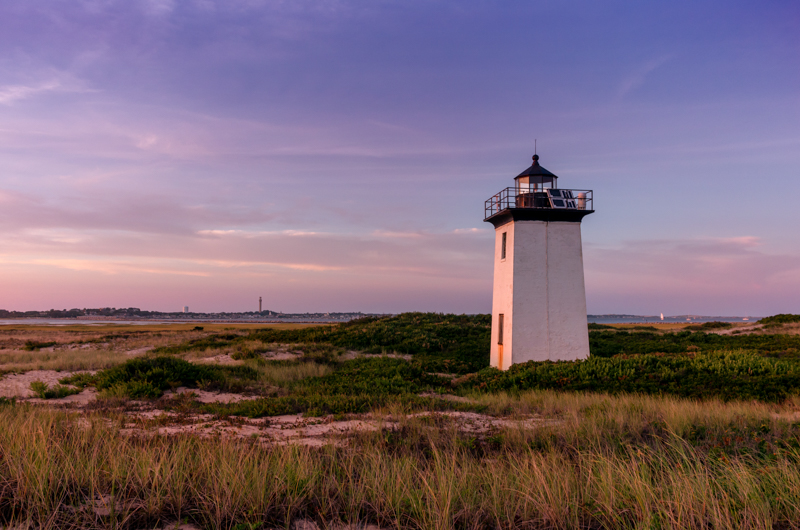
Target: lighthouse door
500	322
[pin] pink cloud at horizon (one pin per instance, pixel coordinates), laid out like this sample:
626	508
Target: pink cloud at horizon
377	272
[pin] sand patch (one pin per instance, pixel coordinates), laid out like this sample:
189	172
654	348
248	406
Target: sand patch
224	359
447	397
204	396
352	354
139	351
294	429
19	385
740	330
276	430
84	398
474	423
282	356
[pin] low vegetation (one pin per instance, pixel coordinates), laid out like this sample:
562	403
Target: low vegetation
605	343
777	320
44	391
448	354
707	326
726	375
693	428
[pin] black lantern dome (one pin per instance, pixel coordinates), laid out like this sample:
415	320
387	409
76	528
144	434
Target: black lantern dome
535	178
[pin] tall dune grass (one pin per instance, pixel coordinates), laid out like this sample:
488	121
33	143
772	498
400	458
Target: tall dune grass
60	360
60	471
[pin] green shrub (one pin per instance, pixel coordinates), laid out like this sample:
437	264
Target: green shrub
43	391
32	345
709	326
727	375
149	377
243	353
433	336
463	339
133	389
80	380
381	376
783	318
610	343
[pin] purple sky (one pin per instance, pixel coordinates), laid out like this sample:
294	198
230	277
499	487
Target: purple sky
335	155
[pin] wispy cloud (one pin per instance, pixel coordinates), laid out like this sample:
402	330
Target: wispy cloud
12	93
638	77
712	275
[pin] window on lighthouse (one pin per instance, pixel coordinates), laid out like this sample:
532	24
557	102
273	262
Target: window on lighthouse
503	247
500	322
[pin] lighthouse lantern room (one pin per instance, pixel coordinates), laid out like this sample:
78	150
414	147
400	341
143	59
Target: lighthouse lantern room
539	298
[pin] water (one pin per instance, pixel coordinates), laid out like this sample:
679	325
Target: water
679	319
597	319
144	322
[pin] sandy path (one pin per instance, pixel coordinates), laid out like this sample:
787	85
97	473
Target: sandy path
297	430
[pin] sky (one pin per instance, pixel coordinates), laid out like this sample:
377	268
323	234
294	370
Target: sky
336	155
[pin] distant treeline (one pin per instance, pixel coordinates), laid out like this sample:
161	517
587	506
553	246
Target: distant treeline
107	312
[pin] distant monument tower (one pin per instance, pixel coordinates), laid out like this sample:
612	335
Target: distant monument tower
539	299
259	304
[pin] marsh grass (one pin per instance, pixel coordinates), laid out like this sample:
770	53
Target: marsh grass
60	470
284	373
60	360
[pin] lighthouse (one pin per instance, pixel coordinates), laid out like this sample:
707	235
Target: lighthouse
539	298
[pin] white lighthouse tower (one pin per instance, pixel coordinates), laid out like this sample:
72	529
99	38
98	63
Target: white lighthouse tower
539	300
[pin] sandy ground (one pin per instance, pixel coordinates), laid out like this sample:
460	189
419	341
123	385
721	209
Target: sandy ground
139	351
217	359
19	385
204	396
287	429
293	428
80	400
298	430
748	328
354	354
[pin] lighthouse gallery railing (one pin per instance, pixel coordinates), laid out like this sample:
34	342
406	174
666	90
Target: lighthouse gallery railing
551	199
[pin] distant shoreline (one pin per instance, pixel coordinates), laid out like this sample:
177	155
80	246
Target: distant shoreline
677	319
298	319
145	321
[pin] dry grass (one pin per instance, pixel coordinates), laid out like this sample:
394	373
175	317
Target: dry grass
589	461
282	374
784	329
83	347
579	405
70	360
62	471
